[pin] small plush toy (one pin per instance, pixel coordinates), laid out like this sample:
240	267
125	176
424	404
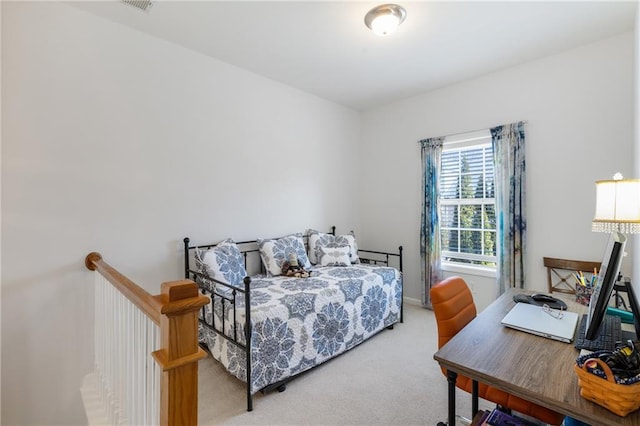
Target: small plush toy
292	268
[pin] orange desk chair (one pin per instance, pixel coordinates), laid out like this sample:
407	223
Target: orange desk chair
454	308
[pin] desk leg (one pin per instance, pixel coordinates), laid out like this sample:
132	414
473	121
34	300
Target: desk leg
451	380
474	398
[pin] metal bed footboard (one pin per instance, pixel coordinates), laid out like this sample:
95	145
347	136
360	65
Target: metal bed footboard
227	301
373	257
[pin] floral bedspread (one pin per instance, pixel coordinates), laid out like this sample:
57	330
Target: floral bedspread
299	323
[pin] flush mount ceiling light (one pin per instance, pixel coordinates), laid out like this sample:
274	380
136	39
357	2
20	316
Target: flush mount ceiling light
384	19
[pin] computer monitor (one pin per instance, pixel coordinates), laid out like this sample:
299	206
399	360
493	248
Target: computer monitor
609	269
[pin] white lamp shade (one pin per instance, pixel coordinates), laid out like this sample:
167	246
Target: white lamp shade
617	206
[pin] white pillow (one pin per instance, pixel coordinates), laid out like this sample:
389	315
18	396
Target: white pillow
313	237
223	262
275	252
317	240
335	256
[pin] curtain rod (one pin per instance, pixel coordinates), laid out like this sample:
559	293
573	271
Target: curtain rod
474	131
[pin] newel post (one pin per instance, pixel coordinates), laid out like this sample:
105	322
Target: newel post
179	353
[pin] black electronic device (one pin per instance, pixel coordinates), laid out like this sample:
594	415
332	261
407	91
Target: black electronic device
609	268
543	298
609	334
540	299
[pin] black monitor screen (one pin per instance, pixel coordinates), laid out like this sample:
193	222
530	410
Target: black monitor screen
607	277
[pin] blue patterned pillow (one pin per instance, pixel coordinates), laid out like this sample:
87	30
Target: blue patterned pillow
275	252
223	262
320	240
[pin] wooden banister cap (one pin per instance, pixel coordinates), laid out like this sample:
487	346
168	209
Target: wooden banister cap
92	257
181	289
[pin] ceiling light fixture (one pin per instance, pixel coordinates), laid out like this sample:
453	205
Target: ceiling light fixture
384	19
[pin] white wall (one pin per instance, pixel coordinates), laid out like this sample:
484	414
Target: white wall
118	142
579	110
121	143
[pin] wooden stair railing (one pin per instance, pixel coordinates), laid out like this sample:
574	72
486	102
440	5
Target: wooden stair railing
175	311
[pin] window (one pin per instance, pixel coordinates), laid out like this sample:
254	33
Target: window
467	203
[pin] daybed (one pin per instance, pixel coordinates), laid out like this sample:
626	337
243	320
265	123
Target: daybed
288	324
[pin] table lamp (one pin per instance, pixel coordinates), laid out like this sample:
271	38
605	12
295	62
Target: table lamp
617	210
617	206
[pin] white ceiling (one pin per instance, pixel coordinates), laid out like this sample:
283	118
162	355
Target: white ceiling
324	48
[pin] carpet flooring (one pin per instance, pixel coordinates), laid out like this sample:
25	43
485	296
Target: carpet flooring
390	379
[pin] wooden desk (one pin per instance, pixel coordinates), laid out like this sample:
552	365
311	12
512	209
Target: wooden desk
531	367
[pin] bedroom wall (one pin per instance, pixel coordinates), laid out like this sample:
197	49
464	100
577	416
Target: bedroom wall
118	142
578	105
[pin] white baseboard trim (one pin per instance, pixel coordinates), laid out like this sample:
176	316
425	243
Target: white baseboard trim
412	301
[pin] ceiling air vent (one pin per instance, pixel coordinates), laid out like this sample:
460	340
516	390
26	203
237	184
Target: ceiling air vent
140	4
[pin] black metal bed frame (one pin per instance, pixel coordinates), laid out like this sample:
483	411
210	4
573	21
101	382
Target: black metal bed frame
373	258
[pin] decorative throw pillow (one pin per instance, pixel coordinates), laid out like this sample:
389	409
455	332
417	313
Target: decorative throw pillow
334	256
197	257
223	262
313	238
201	268
317	240
275	252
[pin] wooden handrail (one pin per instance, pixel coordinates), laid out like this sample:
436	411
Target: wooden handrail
175	310
150	305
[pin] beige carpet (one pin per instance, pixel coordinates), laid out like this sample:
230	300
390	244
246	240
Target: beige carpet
391	379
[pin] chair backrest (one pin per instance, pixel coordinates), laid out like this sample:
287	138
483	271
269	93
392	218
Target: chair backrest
560	273
453	307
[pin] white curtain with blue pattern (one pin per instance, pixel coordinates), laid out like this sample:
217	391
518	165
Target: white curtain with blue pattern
430	224
508	148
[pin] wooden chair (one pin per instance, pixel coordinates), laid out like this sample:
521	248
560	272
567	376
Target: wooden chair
454	308
560	273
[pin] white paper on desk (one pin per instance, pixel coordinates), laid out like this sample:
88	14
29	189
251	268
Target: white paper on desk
533	319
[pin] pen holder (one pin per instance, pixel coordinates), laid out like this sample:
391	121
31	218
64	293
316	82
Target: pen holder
583	294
